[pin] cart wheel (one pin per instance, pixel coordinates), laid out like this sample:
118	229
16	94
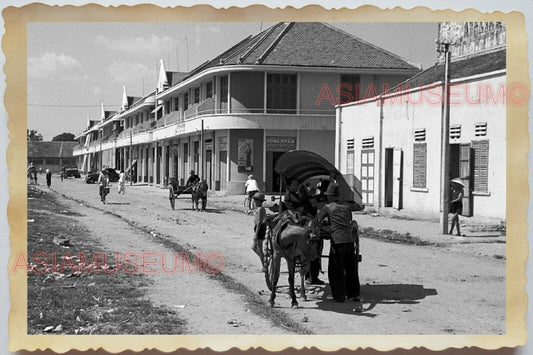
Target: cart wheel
268	253
171	197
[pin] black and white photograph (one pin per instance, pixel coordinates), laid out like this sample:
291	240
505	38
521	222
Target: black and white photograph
299	178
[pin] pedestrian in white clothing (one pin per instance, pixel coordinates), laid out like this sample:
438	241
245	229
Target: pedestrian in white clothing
121	182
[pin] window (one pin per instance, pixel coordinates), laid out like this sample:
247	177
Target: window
481	165
281	93
368	143
185	153
419	165
176	103
367	176
209	90
420	135
350	156
480	129
224	89
167	107
349	88
196	95
186	101
455	131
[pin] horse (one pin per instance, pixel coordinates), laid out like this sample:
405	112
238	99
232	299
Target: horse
295	240
199	192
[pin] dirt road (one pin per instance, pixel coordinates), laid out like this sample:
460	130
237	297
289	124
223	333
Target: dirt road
405	289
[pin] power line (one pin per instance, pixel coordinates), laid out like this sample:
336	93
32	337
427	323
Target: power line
44	105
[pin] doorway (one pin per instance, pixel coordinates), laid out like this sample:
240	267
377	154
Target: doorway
272	183
209	168
460	167
393	178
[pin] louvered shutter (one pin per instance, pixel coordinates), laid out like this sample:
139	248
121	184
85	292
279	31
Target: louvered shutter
419	165
481	165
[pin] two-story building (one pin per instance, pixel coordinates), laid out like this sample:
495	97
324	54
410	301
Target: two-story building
393	142
236	114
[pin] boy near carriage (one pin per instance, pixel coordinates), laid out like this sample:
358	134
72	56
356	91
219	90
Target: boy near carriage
259	225
342	268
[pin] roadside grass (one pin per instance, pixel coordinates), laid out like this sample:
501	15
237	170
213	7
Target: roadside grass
387	235
66	299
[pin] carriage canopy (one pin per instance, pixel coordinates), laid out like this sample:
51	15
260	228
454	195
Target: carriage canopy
302	165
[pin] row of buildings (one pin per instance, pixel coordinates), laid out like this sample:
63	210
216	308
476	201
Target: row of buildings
307	86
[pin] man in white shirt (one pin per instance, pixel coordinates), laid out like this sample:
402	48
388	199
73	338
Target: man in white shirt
251	188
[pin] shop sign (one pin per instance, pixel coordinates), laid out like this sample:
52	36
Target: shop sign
280	143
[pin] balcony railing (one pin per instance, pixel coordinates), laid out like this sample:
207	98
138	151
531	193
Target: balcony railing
204	108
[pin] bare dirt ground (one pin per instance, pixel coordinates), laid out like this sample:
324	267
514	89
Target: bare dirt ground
406	289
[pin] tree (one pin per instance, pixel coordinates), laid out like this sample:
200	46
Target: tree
33	135
64	137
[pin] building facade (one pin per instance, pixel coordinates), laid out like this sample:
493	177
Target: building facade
53	155
236	114
392	142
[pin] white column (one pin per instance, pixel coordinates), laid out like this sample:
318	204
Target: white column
264	157
163	163
154	165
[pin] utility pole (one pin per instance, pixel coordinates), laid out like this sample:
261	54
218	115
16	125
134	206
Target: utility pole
202	151
101	131
444	47
131	167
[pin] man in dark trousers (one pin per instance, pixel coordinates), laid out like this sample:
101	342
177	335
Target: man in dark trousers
342	269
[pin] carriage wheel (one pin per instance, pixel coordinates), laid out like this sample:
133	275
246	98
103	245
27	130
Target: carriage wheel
171	197
268	253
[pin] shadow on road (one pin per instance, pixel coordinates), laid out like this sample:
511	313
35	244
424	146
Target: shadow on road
372	295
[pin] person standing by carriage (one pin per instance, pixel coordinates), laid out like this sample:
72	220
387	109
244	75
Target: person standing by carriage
259	226
342	269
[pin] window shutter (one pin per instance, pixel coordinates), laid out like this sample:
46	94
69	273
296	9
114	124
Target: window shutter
481	165
419	165
350	156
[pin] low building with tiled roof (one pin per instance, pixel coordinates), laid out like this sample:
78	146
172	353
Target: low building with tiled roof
53	155
235	114
392	142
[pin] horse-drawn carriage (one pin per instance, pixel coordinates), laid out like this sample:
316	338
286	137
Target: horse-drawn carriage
302	166
198	193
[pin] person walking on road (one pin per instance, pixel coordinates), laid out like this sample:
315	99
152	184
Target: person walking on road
122	183
342	269
48	178
456	203
103	183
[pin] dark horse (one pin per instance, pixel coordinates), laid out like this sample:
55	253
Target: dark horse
199	192
295	240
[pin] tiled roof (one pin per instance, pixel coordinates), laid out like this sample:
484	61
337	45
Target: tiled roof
50	149
474	65
308	44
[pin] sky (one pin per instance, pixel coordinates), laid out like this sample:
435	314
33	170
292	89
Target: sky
73	66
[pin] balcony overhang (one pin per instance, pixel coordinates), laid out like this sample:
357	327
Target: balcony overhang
279	68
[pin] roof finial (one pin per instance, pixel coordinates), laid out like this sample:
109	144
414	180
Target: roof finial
124	99
162	81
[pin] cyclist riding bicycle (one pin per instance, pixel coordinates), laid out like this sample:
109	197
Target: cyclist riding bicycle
251	188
